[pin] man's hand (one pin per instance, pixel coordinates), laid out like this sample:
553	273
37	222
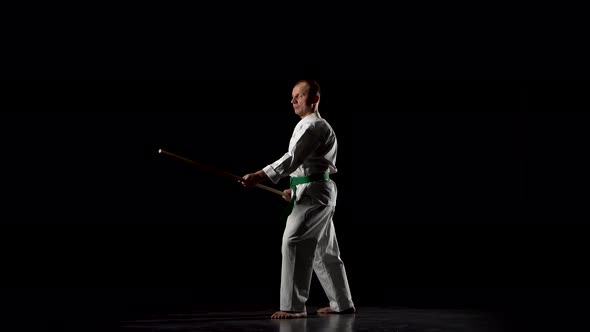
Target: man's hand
287	194
250	180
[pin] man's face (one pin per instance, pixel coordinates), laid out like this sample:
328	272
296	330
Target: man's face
300	99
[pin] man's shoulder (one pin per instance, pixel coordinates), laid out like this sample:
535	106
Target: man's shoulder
323	124
315	124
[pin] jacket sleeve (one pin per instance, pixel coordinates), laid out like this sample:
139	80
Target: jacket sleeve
303	144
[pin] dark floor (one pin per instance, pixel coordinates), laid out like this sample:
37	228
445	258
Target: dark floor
366	319
85	313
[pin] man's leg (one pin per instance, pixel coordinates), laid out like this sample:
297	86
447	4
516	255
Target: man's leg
298	249
330	270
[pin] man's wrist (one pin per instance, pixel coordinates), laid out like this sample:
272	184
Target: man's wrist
261	175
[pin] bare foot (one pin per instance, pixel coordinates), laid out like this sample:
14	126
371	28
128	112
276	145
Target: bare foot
288	315
328	310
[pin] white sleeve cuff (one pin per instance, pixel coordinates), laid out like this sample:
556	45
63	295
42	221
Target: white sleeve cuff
272	175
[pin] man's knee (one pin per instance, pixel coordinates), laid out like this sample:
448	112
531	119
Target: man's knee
289	243
328	258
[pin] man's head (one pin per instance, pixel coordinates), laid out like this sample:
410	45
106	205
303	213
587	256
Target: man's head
305	97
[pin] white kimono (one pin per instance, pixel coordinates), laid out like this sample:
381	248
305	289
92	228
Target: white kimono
309	240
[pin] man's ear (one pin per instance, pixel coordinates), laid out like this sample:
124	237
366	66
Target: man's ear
315	99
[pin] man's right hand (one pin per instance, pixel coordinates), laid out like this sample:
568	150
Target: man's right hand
252	179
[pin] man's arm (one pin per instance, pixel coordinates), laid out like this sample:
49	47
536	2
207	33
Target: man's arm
305	142
251	179
302	145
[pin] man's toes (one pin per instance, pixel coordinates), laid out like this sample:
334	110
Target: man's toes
279	315
328	310
325	310
287	315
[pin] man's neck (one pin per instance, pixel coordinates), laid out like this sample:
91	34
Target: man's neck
309	113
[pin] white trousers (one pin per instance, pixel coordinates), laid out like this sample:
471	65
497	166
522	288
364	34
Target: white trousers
309	244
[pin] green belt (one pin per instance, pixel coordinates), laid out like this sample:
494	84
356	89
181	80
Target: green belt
294	181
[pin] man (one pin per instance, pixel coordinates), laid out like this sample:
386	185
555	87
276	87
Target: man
309	240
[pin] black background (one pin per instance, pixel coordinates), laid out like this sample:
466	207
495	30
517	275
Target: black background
456	193
462	175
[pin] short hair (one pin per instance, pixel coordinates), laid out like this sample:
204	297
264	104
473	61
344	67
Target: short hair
314	87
